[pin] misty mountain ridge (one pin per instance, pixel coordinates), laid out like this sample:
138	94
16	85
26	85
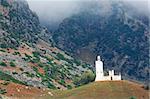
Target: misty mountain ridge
36	63
65	9
118	36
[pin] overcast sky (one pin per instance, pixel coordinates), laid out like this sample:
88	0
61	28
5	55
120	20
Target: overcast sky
56	10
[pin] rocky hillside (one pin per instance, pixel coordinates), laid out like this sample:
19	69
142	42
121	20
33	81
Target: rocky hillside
119	37
27	54
18	23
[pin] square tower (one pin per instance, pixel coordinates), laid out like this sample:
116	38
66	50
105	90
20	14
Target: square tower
99	69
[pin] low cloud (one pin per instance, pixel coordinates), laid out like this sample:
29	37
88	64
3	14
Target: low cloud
54	11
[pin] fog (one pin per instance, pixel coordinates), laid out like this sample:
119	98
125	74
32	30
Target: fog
54	11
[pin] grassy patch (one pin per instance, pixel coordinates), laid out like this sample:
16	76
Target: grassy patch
101	90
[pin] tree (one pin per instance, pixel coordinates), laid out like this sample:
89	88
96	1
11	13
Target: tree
87	77
132	97
3	64
3	46
12	64
4	3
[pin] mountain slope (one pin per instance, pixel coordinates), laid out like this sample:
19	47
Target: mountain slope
120	39
14	90
105	90
18	24
95	90
27	54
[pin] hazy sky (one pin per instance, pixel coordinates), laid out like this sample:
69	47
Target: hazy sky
53	10
56	10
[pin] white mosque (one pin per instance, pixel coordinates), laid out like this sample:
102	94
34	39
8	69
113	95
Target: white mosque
100	72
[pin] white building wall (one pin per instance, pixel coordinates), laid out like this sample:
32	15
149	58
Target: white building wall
100	73
106	78
116	77
99	69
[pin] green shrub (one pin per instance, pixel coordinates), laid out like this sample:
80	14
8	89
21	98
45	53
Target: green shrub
132	97
12	64
16	53
146	87
84	66
1	14
36	54
5	83
3	46
87	77
60	56
69	87
41	64
51	86
2	50
35	69
3	64
3	91
62	82
14	73
29	74
35	60
25	59
49	59
28	56
7	77
4	3
21	69
77	62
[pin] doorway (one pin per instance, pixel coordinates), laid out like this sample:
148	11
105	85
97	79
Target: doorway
111	78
